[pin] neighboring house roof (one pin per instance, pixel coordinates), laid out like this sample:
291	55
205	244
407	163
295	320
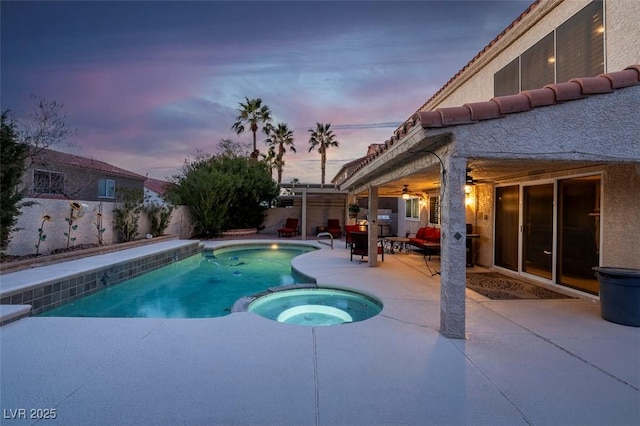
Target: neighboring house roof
346	168
501	106
49	155
156	185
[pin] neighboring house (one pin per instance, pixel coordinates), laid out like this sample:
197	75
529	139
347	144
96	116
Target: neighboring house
54	174
349	167
543	128
154	190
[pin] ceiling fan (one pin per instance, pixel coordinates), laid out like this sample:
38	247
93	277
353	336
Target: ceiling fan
470	180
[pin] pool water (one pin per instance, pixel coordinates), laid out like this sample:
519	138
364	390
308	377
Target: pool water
316	306
201	286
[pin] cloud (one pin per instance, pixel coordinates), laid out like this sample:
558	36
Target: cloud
149	83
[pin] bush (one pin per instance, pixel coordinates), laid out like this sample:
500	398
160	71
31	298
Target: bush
224	192
13	154
127	216
159	215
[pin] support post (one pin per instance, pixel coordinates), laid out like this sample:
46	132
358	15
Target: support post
303	226
453	248
373	226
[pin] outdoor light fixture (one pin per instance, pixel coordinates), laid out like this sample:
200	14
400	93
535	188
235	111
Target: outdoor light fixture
469	179
405	192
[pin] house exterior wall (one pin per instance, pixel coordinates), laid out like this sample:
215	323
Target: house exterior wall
620	216
79	184
475	84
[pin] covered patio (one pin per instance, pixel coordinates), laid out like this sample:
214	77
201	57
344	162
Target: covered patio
582	127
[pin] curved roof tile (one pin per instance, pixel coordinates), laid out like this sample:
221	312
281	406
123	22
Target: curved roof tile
512	103
566	91
484	110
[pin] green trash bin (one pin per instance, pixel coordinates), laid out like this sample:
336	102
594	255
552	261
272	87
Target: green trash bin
619	295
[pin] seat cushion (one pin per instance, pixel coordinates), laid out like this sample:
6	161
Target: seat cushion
432	234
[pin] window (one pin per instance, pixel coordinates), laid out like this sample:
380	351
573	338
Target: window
434	210
538	65
574	49
106	188
507	80
46	182
412	208
580	44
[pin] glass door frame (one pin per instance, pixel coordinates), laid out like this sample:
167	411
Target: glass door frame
554	230
555	280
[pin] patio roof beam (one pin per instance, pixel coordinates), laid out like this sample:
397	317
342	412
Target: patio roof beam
413	147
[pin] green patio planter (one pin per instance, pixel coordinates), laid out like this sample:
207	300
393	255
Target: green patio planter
619	295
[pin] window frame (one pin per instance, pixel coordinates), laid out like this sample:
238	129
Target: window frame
105	182
434	210
49	189
412	209
571	49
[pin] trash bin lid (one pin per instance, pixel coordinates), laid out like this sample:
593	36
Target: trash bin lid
624	272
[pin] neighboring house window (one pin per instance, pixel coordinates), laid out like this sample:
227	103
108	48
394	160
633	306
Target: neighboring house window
46	182
106	188
412	208
574	49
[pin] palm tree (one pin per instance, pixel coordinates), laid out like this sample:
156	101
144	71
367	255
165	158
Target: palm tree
279	138
270	160
323	138
254	114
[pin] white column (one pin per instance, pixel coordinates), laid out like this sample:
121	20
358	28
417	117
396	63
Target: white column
453	249
373	226
303	226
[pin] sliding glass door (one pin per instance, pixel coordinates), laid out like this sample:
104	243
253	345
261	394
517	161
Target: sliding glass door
537	232
579	232
506	231
550	230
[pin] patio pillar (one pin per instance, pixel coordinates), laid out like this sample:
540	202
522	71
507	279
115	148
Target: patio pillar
373	226
303	226
453	248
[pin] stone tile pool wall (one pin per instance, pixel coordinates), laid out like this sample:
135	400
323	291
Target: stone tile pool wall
53	294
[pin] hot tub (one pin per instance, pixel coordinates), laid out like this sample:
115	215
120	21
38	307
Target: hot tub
316	306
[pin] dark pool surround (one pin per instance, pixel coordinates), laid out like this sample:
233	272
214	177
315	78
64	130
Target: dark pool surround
53	294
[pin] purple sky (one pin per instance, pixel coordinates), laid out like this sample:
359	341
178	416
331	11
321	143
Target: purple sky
147	84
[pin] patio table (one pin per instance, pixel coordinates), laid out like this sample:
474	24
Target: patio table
393	244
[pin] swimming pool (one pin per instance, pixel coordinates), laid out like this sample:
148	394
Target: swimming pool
202	286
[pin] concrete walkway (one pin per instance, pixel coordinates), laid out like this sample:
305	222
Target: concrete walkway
548	362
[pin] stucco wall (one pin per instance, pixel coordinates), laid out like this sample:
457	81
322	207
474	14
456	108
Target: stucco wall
620	216
24	240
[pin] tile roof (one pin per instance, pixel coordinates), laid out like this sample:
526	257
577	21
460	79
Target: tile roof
520	17
501	106
49	155
550	94
156	185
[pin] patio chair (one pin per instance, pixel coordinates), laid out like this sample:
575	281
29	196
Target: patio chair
360	245
334	228
348	229
290	228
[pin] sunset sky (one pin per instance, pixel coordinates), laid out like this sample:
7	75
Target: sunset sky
148	84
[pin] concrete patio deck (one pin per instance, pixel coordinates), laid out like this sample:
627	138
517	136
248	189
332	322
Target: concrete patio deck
534	362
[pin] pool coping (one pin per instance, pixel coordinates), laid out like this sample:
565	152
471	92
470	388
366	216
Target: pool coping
32	291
